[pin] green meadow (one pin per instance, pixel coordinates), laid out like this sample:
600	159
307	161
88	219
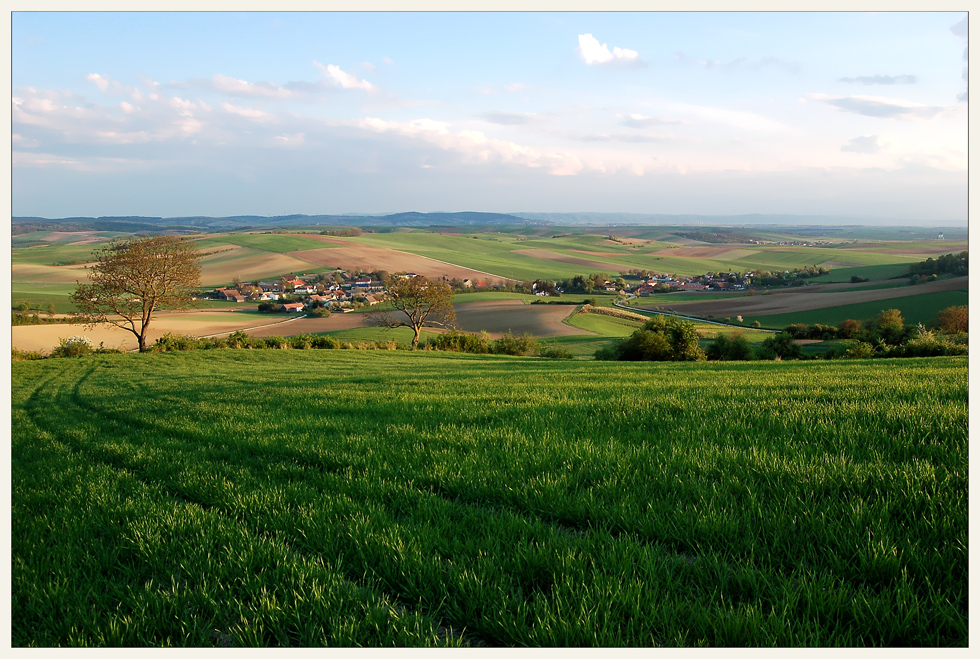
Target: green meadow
385	498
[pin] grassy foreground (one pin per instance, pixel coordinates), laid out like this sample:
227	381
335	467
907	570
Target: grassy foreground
380	498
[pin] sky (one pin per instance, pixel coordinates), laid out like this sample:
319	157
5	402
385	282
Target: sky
176	114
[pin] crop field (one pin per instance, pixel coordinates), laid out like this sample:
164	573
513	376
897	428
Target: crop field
350	498
815	299
915	309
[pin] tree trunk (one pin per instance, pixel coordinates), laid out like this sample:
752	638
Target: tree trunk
141	337
415	339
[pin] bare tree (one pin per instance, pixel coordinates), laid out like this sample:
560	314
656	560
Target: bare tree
424	303
133	278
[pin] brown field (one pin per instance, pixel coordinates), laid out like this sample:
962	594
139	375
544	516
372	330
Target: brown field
77	237
709	252
562	258
249	264
349	255
48	274
500	316
809	297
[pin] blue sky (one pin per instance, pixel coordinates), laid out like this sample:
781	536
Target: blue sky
165	114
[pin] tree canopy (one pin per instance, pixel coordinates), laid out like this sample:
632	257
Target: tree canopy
421	301
134	278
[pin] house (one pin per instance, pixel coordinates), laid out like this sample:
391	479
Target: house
644	291
230	294
291	306
270	286
371	299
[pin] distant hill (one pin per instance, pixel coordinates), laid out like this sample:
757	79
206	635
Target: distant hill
796	224
751	219
241	222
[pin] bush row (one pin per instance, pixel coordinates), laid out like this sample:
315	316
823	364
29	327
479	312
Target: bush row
455	341
508	344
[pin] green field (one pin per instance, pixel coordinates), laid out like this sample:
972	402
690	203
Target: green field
269	242
604	325
915	309
871	272
374	498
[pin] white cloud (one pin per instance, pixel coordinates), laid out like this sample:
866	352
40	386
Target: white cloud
640	121
864	144
344	79
248	113
724	116
100	82
113	137
128	108
297	139
83	164
592	52
477	147
877	106
25	142
235	87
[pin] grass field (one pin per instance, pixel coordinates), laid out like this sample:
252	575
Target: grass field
915	309
342	498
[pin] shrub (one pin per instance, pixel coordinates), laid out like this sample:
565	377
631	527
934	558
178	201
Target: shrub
318	312
510	344
73	346
555	352
780	346
25	355
300	342
457	341
662	338
605	354
730	347
274	342
324	342
239	339
859	350
953	320
170	342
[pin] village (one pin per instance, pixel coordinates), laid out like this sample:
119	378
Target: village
345	291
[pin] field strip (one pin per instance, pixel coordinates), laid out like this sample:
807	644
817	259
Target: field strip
693	318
